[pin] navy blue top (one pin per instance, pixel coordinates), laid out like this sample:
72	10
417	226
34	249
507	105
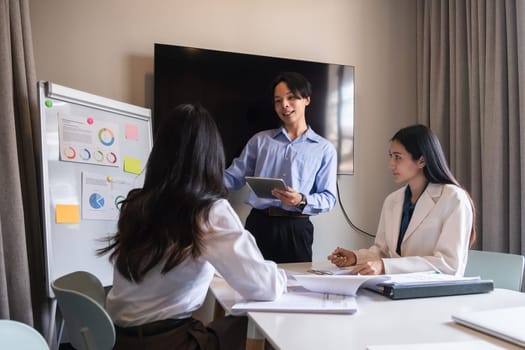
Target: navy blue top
408	210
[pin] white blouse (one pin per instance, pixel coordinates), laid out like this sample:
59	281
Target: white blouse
228	248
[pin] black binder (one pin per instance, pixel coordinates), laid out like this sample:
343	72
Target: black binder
432	289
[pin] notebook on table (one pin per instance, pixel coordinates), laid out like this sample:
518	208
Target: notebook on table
396	291
505	323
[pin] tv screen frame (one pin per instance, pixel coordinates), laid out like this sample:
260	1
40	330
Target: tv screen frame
236	88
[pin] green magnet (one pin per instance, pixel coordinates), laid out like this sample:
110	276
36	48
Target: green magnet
49	103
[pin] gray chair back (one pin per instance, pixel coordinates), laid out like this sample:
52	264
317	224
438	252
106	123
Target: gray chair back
20	336
81	299
506	270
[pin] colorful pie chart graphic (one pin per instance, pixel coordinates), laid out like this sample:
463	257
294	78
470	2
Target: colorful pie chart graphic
70	152
111	157
106	136
99	156
118	201
96	201
85	154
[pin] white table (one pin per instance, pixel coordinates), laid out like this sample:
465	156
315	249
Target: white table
379	320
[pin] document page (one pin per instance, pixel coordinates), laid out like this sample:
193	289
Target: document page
300	300
425	278
336	284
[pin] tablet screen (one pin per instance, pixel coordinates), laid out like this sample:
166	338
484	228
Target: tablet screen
263	186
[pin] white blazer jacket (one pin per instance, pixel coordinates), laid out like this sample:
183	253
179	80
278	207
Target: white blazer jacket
437	237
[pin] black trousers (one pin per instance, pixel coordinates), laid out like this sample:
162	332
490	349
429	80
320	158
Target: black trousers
225	333
282	239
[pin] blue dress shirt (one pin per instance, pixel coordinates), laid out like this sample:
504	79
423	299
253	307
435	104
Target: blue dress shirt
308	164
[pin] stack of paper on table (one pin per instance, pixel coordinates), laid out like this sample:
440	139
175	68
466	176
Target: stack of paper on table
335	293
335	284
300	300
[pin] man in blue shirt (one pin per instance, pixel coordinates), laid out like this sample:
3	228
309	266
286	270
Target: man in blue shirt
304	160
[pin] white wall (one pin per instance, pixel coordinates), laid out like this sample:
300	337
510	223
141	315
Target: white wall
106	48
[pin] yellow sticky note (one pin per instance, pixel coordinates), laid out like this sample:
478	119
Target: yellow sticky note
67	214
132	165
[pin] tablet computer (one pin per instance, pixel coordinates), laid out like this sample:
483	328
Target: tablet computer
263	186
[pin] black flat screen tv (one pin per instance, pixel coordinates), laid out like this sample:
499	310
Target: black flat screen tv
236	89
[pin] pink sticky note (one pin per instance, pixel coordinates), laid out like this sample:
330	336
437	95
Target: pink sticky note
132	133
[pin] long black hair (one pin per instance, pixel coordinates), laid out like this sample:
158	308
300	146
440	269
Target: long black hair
420	141
163	220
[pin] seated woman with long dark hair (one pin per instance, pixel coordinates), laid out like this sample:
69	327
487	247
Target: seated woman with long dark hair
173	234
428	224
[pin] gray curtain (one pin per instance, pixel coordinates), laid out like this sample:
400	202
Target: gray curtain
471	92
22	275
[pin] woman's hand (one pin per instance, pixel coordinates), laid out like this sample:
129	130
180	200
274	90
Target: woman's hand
374	267
342	257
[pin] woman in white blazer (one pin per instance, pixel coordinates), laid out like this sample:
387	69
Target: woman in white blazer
427	224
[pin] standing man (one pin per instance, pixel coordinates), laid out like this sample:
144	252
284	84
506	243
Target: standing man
304	160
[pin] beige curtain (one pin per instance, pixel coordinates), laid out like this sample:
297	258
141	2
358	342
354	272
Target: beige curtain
22	275
471	92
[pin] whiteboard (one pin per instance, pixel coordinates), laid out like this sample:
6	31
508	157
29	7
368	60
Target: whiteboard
93	151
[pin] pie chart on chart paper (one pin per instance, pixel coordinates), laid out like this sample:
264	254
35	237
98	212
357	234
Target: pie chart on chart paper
96	201
118	201
106	136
